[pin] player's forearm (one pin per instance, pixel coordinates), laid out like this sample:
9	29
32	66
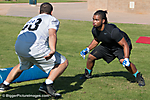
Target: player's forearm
125	47
93	44
126	51
52	40
52	43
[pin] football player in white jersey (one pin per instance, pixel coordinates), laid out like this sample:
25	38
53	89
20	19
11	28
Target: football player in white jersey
36	44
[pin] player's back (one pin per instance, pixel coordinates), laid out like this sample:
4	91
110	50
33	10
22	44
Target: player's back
34	35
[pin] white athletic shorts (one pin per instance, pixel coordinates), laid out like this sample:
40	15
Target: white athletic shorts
41	62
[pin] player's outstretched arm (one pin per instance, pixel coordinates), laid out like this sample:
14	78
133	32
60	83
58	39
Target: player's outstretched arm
92	45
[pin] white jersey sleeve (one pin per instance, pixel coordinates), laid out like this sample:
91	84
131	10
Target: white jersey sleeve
54	24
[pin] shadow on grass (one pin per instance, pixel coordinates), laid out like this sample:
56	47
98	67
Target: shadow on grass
69	83
124	74
63	84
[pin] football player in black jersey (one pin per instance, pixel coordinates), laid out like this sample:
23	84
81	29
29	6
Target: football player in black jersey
113	43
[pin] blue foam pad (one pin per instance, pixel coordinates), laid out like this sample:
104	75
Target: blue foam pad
31	74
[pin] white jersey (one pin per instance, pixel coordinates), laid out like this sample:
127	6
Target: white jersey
33	39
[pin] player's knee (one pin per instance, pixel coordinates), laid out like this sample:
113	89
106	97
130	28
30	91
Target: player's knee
66	63
121	61
91	58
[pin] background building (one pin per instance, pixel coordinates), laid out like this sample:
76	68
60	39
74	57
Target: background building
131	6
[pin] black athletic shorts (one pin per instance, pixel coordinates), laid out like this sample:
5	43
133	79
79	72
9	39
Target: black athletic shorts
107	54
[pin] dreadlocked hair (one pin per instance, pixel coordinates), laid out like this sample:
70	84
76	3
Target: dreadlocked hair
102	15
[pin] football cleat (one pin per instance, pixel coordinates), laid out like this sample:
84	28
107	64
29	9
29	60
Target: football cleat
4	87
49	90
140	80
86	75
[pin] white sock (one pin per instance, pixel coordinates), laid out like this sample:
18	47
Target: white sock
47	81
6	83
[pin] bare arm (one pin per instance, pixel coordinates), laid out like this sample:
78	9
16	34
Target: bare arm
125	46
52	43
93	44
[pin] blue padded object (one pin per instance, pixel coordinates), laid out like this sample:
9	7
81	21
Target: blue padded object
31	74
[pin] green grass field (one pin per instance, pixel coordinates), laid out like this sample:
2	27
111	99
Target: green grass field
110	81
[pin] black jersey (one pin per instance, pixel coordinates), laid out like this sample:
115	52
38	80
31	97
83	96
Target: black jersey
110	36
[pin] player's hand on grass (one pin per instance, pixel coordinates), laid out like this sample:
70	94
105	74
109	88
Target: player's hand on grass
84	52
49	56
126	62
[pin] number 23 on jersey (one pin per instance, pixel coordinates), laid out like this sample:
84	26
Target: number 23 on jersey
32	25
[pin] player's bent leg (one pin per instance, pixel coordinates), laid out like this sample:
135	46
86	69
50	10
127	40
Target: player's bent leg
90	61
58	70
14	73
90	64
54	73
138	76
132	69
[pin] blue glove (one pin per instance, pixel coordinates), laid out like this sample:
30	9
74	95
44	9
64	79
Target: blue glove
126	62
84	52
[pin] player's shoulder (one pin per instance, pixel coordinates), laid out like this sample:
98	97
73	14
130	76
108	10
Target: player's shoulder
110	25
